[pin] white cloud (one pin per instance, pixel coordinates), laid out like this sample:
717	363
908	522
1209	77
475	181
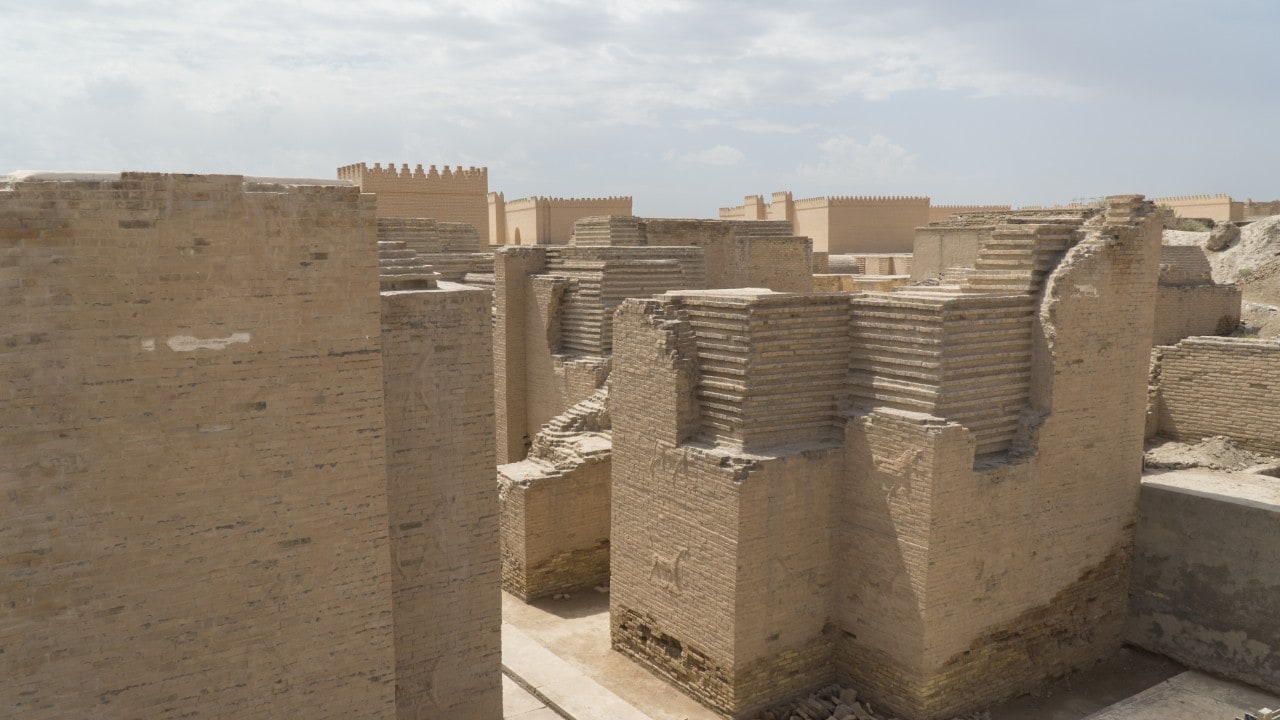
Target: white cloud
844	158
723	155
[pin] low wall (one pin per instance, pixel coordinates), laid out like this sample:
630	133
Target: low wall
1206	576
1221	386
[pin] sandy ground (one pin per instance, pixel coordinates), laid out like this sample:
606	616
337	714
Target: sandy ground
1215	453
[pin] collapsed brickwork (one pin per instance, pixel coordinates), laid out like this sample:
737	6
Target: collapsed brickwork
210	409
886	489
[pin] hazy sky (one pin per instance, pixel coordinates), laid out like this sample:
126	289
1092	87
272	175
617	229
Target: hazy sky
685	105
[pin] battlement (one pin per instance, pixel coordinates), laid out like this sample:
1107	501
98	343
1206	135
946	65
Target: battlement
574	201
855	200
1190	198
360	173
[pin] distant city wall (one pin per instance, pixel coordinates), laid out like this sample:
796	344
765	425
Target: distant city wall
448	195
1219	208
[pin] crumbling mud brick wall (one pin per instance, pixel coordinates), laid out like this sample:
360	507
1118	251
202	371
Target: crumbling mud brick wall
976	550
448	195
1011	566
1189	302
1221	386
555	505
438	388
191	451
1205	573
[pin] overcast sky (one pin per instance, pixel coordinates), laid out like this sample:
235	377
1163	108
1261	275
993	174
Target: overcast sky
686	105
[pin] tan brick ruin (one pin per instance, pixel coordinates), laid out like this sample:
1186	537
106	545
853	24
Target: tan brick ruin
1189	301
928	494
243	481
554	343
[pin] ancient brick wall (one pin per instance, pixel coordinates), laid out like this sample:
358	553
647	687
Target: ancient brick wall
940	213
1221	386
721	553
1018	569
448	195
438	385
1184	311
191	451
987	487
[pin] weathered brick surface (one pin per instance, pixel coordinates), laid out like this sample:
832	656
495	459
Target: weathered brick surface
191	452
917	559
438	381
1221	386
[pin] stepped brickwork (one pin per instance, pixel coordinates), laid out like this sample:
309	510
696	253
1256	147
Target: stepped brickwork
453	250
758	555
253	450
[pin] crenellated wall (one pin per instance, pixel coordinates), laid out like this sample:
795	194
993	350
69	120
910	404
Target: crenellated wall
448	195
1219	207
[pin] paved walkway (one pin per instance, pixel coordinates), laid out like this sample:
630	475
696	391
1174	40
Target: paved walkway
583	679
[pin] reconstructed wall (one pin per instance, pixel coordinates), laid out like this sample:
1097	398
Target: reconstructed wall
438	385
1252	209
1206	573
950	544
191	451
861	225
1219	208
1221	386
457	195
937	248
549	220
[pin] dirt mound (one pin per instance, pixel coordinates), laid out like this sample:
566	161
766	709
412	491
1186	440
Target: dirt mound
1257	247
1215	453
